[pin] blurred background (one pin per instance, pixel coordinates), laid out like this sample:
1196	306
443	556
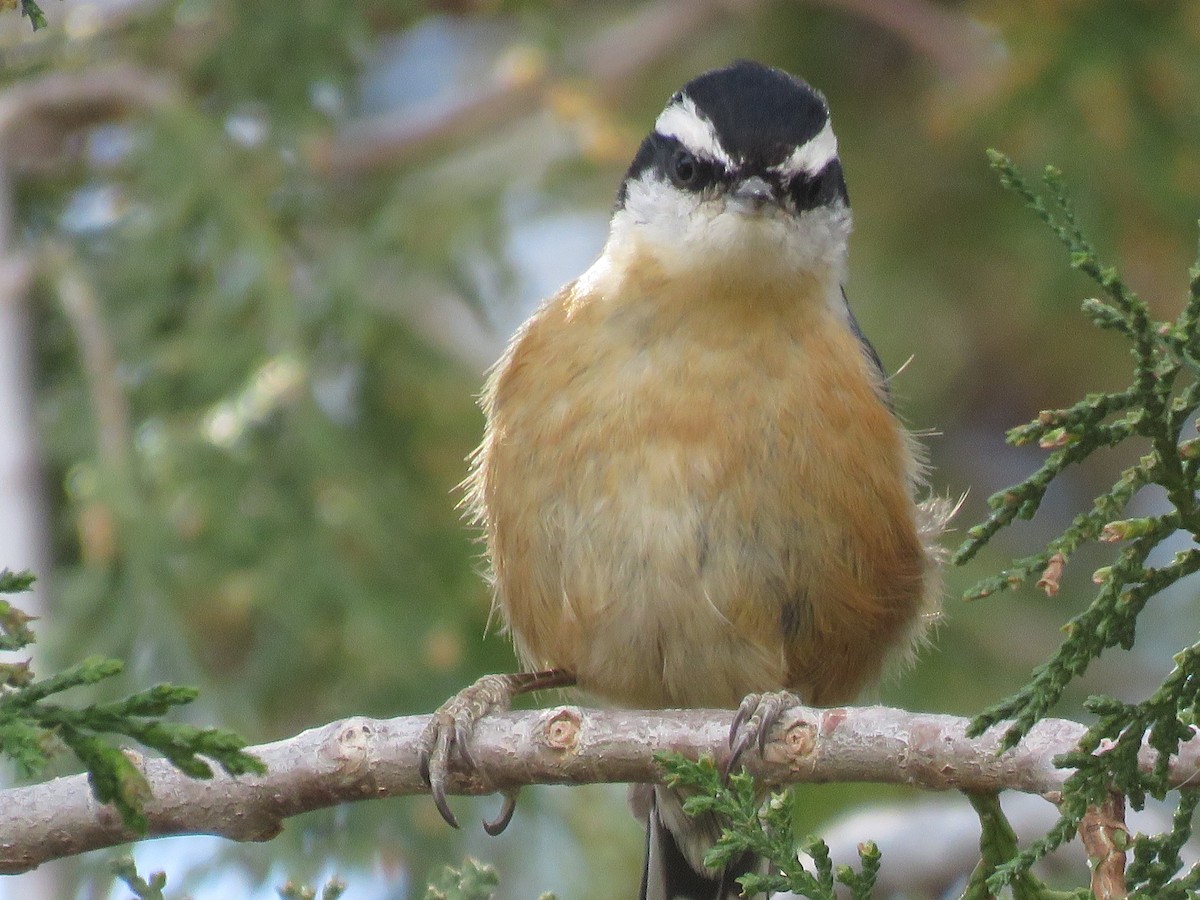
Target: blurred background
255	256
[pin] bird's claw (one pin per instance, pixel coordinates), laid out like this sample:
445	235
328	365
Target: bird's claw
438	743
498	824
444	740
448	733
752	724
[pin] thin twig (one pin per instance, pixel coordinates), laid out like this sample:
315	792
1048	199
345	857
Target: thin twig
82	311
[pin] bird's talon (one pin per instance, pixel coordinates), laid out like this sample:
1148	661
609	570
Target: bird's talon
441	740
497	825
734	756
438	791
741	733
753	722
747	706
460	743
446	738
432	763
764	732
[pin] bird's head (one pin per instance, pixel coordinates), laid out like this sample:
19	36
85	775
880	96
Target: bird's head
740	175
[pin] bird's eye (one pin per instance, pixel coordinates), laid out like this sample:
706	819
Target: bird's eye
684	169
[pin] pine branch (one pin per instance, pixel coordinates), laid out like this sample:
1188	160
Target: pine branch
997	845
1159	403
30	723
359	759
766	831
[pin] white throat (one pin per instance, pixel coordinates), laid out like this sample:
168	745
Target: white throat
688	234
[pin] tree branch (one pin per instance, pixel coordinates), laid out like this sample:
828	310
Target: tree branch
614	58
1105	836
957	44
83	311
38	114
608	62
360	758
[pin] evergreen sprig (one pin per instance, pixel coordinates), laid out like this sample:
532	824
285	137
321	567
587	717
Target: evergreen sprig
125	869
767	831
30	724
997	845
30	9
332	890
1159	402
1156	858
473	881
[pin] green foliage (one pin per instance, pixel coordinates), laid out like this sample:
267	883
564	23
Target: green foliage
998	845
333	889
284	523
277	525
1156	407
30	724
15	633
125	869
1156	858
766	830
314	566
33	12
473	881
1104	83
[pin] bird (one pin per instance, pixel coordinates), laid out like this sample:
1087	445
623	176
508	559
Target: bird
693	486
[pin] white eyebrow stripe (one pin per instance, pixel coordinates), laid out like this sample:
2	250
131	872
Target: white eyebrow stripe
682	121
813	156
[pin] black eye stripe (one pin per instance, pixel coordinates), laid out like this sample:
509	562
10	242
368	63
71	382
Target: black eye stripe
822	189
802	192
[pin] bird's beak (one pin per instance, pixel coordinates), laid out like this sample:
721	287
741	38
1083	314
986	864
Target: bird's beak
751	195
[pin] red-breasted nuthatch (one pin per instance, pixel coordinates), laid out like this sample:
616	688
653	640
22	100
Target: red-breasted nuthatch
692	483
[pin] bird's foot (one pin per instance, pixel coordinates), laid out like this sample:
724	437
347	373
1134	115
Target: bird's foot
444	740
752	723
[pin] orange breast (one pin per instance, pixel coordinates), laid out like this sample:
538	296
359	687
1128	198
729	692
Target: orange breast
687	498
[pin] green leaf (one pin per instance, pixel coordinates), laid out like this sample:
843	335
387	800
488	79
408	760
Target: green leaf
33	12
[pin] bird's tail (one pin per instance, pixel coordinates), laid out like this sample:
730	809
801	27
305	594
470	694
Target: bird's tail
675	848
